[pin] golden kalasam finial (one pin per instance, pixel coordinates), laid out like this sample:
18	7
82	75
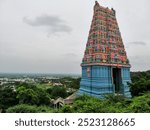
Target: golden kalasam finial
96	2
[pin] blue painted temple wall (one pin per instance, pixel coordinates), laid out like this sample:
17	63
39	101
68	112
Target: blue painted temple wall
99	81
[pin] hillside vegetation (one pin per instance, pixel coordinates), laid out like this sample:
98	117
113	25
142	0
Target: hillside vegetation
27	98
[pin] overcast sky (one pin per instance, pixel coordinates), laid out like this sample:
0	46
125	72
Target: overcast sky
49	36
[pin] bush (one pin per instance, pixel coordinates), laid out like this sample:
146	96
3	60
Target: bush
113	104
112	98
66	109
25	108
139	87
22	108
140	104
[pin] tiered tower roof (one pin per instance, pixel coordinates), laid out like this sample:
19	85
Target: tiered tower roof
104	45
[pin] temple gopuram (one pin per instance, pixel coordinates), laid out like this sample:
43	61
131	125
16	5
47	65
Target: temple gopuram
105	67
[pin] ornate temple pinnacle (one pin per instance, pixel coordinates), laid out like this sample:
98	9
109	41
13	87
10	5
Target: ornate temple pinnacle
104	45
96	2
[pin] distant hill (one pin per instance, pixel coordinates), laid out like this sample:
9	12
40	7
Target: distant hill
140	74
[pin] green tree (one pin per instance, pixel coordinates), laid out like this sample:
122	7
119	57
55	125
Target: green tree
139	87
7	97
75	83
43	96
33	96
59	92
27	96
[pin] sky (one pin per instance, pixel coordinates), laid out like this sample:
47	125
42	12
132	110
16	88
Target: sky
49	36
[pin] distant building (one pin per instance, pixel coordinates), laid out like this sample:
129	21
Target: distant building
57	84
105	67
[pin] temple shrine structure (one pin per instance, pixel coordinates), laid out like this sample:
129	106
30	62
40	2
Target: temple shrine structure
105	67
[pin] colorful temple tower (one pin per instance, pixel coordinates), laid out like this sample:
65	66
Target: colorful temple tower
105	67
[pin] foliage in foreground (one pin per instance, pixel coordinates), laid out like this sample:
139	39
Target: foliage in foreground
140	83
87	104
113	104
25	108
30	94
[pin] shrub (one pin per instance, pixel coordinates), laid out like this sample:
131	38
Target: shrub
25	108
